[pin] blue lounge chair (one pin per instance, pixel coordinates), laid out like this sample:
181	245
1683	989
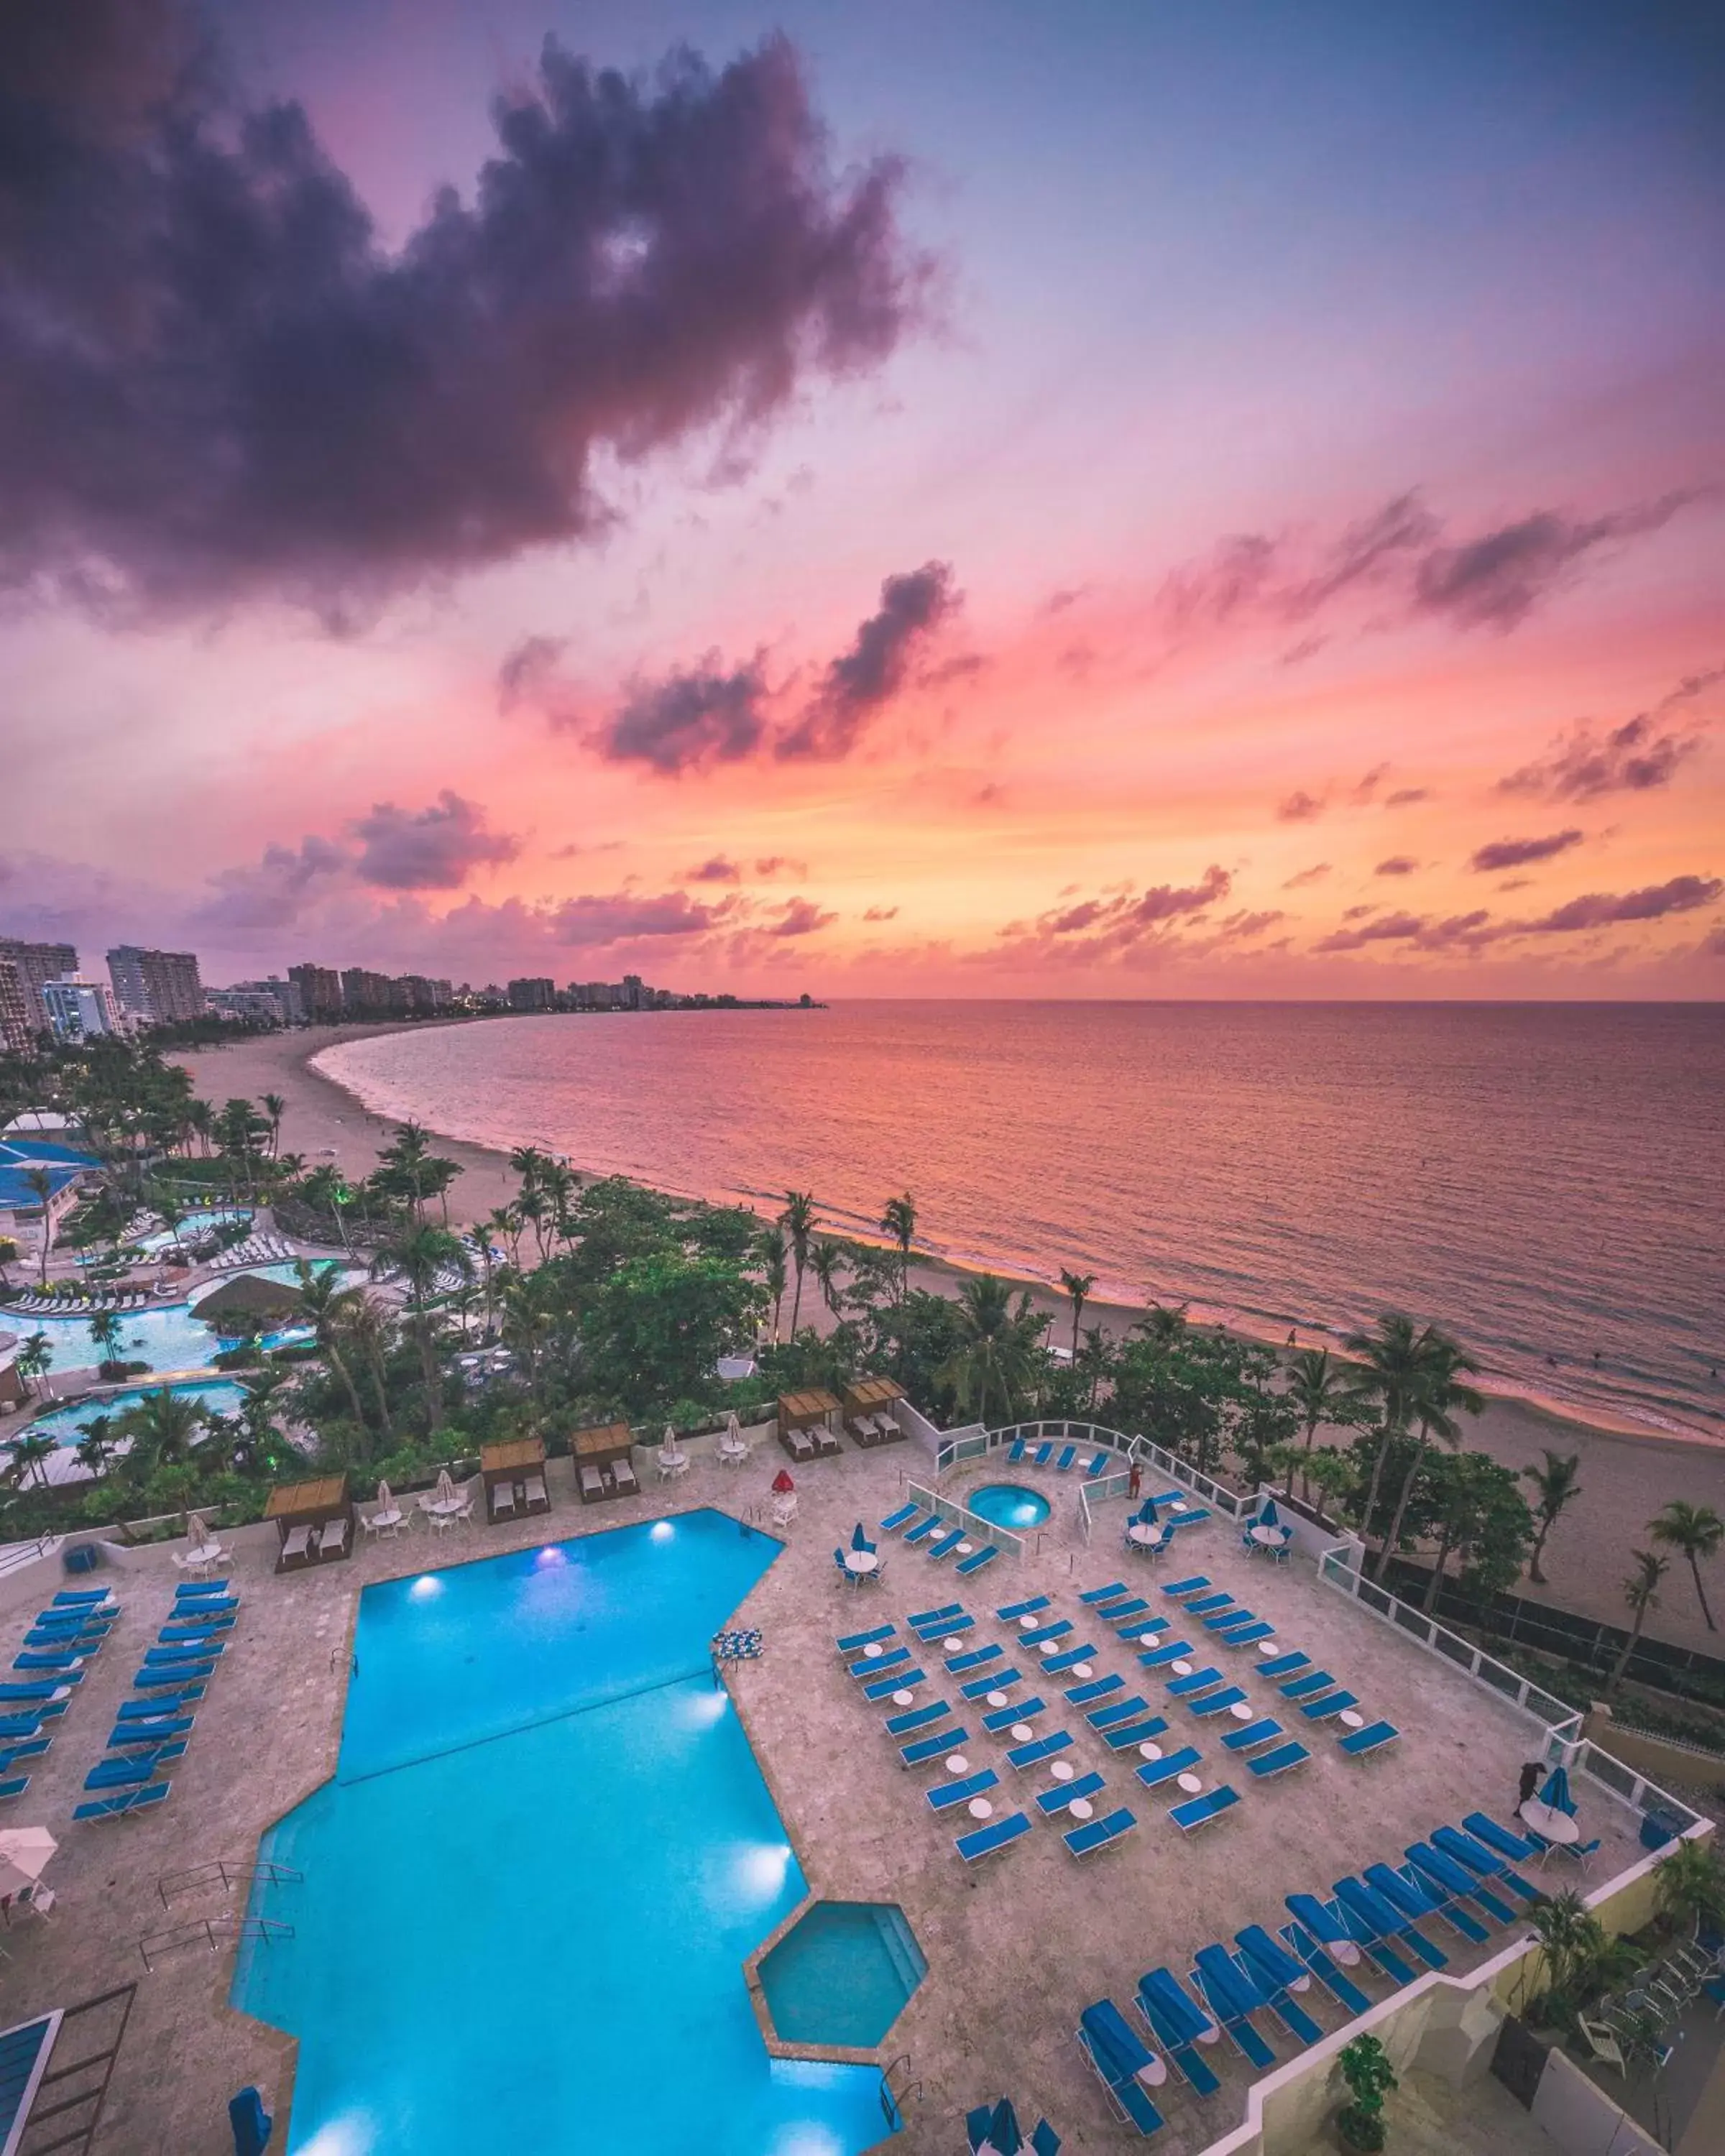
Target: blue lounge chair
1346	1994
875	1665
13	1788
167	1657
990	1680
148	1679
923	1528
973	1658
1504	1840
1207	1605
28	1723
1268	1765
1063	1794
1095	1465
1015	1451
1218	1703
1193	1515
1043	1452
995	1835
32	1747
1307	1686
898	1681
945	1629
80	1598
1325	1920
1387	1921
1324	1709
1107	1593
979	1558
1266	1965
1170	1651
1143	1627
853	1643
1022	1756
45	1688
1155	1772
217	1606
198	1590
1116	2057
148	1733
1003	1718
1454	1882
1088	1694
948	1543
1373	1945
213	1628
1405	1890
1057	1628
62	1659
1179	2024
1251	1734
916	1717
1198	1811
1117	1710
1469	1850
1068	1454
1124	1605
931	1621
1068	1659
1248	1635
1032	1607
935	1747
251	2125
1124	1735
1180	1587
124	1773
901	1518
1232	1998
1229	1622
1375	1736
944	1795
1099	1832
122	1804
1199	1682
1284	1665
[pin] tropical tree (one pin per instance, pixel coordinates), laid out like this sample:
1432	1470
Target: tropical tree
1392	1373
35	1357
165	1427
798	1221
1641	1591
274	1107
96	1444
40	1184
1693	1532
1329	1472
29	1453
1319	1388
324	1304
366	1333
104	1331
998	1345
1441	1394
898	1219
826	1260
1554	1488
1163	1325
1077	1286
771	1246
418	1256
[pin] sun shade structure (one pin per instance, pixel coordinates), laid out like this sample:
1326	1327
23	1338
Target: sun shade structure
868	1411
804	1423
249	1303
305	1513
602	1462
514	1476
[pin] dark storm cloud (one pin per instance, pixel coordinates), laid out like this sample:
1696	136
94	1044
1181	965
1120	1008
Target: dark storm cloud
435	849
863	678
218	382
688	722
1493	581
1516	853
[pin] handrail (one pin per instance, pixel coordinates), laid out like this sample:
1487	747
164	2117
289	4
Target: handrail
961	1515
229	1876
16	1555
213	1931
892	2100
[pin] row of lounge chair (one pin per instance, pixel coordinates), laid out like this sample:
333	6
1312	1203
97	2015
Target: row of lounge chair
63	1640
154	1726
79	1302
608	1478
254	1250
1025	1452
919	1526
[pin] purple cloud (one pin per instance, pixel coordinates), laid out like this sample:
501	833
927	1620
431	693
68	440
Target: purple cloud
1644	752
718	870
1495	580
621	917
1397	864
272	892
220	381
1601	909
435	849
1301	877
866	677
800	917
1299	807
688	722
1516	853
1392	928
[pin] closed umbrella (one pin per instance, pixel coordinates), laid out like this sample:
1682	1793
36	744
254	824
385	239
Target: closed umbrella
1267	1518
668	1450
782	1482
1005	2138
445	1487
1555	1792
858	1540
385	1502
24	1852
733	1428
196	1534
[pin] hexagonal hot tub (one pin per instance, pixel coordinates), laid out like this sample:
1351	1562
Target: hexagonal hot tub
842	1974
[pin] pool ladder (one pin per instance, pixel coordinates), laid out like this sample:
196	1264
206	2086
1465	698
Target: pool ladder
894	2099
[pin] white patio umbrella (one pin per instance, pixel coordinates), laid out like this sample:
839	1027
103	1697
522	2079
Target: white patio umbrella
196	1534
669	1448
733	1428
24	1852
445	1487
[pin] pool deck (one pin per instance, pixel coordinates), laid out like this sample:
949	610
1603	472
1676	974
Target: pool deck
1015	1948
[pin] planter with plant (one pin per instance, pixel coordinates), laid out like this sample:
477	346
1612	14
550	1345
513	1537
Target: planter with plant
1366	2069
1581	1961
1692	1887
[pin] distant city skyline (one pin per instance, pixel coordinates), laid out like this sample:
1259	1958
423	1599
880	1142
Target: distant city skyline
995	502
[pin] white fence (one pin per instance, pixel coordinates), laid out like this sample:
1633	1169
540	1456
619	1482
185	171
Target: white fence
973	1523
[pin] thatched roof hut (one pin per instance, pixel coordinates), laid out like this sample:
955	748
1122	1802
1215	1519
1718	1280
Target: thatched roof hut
249	1303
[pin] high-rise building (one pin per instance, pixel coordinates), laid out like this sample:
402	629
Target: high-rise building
532	994
15	1028
364	993
632	991
161	988
38	963
319	992
79	1010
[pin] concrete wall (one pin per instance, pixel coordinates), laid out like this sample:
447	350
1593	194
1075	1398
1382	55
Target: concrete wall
1659	1758
1581	2118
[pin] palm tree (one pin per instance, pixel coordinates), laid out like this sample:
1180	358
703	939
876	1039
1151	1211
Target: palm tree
365	1327
1693	1532
420	1256
825	1260
1640	1590
29	1455
507	1222
35	1357
326	1304
1078	1286
40	1184
559	1192
1164	1327
201	1121
165	1427
1440	1393
798	1221
1395	1360
96	1445
996	1347
1319	1387
770	1243
104	1331
274	1107
1554	1487
898	1219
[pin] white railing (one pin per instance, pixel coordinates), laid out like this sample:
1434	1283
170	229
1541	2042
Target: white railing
960	1515
1094	1492
957	1445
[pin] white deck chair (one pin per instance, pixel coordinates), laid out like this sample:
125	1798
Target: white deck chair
298	1543
503	1501
624	1475
592	1483
533	1494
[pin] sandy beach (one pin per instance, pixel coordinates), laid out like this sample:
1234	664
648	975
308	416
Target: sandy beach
1626	1475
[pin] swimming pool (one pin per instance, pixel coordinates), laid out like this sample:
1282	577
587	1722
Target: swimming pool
171	1337
529	1888
842	1974
194	1224
66	1425
1010	1505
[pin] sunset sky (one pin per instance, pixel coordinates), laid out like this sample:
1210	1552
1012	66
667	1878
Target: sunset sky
987	499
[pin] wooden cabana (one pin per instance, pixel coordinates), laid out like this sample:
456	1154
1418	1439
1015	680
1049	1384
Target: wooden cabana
602	1469
249	1303
868	1410
514	1476
313	1520
805	1427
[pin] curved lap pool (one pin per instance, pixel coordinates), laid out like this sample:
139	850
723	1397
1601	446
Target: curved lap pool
1010	1505
529	1891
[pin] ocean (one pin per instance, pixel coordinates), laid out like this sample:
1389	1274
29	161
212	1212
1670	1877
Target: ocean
1546	1181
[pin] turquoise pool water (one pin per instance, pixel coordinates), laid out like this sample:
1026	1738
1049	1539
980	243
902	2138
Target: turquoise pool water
842	1974
1010	1505
66	1425
530	1889
194	1224
170	1337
